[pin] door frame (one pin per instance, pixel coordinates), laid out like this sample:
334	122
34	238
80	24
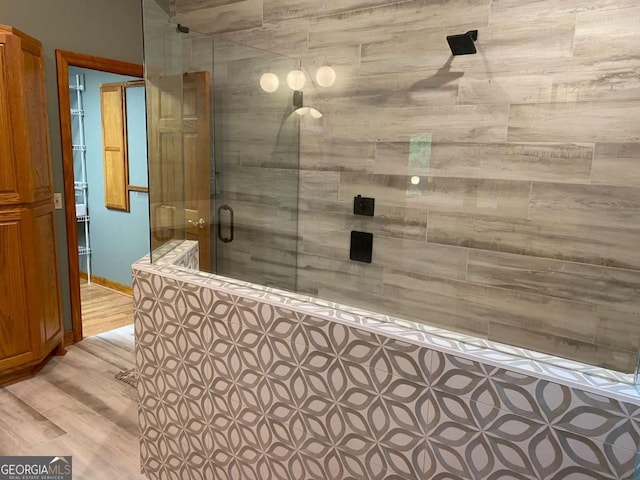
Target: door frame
65	59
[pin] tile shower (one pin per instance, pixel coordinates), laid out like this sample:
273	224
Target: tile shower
523	225
507	193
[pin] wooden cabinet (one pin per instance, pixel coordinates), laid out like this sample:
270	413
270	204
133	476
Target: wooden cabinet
30	311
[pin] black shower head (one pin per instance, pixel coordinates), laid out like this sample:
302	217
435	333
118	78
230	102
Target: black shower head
463	44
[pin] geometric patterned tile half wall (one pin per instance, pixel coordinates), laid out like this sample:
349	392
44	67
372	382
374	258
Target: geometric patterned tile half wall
233	387
183	254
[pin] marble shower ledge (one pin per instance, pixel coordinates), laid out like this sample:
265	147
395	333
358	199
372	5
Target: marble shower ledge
573	374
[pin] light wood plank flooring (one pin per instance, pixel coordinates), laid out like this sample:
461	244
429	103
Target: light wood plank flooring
103	309
75	406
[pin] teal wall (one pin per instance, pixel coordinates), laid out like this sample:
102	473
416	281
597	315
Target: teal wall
117	238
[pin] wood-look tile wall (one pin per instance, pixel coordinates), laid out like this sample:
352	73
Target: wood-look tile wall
525	224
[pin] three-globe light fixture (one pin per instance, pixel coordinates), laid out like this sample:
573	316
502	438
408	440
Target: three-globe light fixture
296	80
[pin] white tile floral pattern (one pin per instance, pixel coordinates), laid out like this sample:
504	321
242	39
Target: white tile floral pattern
235	384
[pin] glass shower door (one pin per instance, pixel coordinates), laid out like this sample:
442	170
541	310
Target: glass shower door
179	134
223	152
256	146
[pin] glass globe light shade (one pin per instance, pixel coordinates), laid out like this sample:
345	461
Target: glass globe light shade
296	79
326	76
315	113
269	82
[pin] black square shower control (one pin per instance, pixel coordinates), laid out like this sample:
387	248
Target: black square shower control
363	205
361	246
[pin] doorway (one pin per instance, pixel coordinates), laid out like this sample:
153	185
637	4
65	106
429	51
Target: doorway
66	63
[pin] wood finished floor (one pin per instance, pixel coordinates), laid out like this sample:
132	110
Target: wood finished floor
75	406
103	309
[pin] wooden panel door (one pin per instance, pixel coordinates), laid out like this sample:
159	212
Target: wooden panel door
179	161
15	334
164	107
197	163
114	146
36	118
20	54
43	268
9	168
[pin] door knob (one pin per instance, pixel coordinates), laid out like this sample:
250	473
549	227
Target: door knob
200	223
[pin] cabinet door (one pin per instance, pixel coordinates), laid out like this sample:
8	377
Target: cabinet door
15	332
15	180
25	166
45	313
35	110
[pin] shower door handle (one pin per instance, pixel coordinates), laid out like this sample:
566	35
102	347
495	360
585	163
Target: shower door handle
230	210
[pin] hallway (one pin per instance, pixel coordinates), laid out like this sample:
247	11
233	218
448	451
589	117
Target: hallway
103	309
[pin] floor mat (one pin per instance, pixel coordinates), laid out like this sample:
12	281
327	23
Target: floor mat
130	377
